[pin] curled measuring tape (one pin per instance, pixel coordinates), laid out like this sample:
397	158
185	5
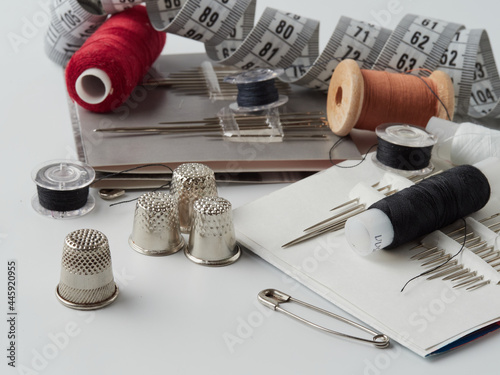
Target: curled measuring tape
290	41
72	22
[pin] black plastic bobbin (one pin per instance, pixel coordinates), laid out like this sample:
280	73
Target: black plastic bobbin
63	189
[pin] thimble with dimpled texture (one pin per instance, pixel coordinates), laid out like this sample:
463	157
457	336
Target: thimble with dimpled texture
190	182
156	225
87	281
212	241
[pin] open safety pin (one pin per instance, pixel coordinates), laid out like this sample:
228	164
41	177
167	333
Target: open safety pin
272	299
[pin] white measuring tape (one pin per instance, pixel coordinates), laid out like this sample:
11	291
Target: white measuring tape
72	22
290	41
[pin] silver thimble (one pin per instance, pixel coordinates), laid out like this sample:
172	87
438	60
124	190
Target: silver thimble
191	181
156	225
87	281
212	241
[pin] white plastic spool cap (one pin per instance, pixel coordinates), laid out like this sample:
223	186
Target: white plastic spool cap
369	231
93	86
444	130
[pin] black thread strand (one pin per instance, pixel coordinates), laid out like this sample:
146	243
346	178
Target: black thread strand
403	157
334	146
435	203
257	93
62	201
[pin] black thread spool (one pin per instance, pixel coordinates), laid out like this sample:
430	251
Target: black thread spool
413	212
256	90
404	149
63	189
257	96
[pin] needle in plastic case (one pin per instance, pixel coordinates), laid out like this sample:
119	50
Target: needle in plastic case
465	276
458	273
425	254
468	282
477	286
444	270
439	259
492	259
481	250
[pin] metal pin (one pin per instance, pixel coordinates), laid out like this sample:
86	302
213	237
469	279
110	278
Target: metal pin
418	246
289	137
470	241
467	282
480	221
456	274
479	251
465	276
495	265
423	178
307	236
443	258
477	286
457	239
433	257
355	200
272	299
427	248
492	259
449	234
477	246
384	187
486	252
189	126
446	271
426	254
391	192
443	267
353	211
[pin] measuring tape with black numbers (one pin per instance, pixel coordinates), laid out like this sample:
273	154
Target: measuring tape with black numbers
290	41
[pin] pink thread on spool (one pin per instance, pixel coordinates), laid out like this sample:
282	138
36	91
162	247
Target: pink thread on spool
112	62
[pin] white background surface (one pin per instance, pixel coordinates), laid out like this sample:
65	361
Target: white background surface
172	316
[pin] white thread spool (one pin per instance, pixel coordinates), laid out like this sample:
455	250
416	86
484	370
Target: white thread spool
464	143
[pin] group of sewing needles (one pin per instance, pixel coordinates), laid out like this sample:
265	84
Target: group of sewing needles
455	271
192	82
432	257
343	212
296	125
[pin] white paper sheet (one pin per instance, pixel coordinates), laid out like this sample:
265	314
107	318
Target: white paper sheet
425	317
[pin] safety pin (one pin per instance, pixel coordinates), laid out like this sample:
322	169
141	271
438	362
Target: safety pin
272	299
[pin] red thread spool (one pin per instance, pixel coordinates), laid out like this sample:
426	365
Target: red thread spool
366	98
103	72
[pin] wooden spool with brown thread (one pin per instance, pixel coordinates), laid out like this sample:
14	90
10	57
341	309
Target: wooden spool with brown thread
349	107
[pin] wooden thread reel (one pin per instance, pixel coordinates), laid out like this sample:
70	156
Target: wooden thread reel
366	98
